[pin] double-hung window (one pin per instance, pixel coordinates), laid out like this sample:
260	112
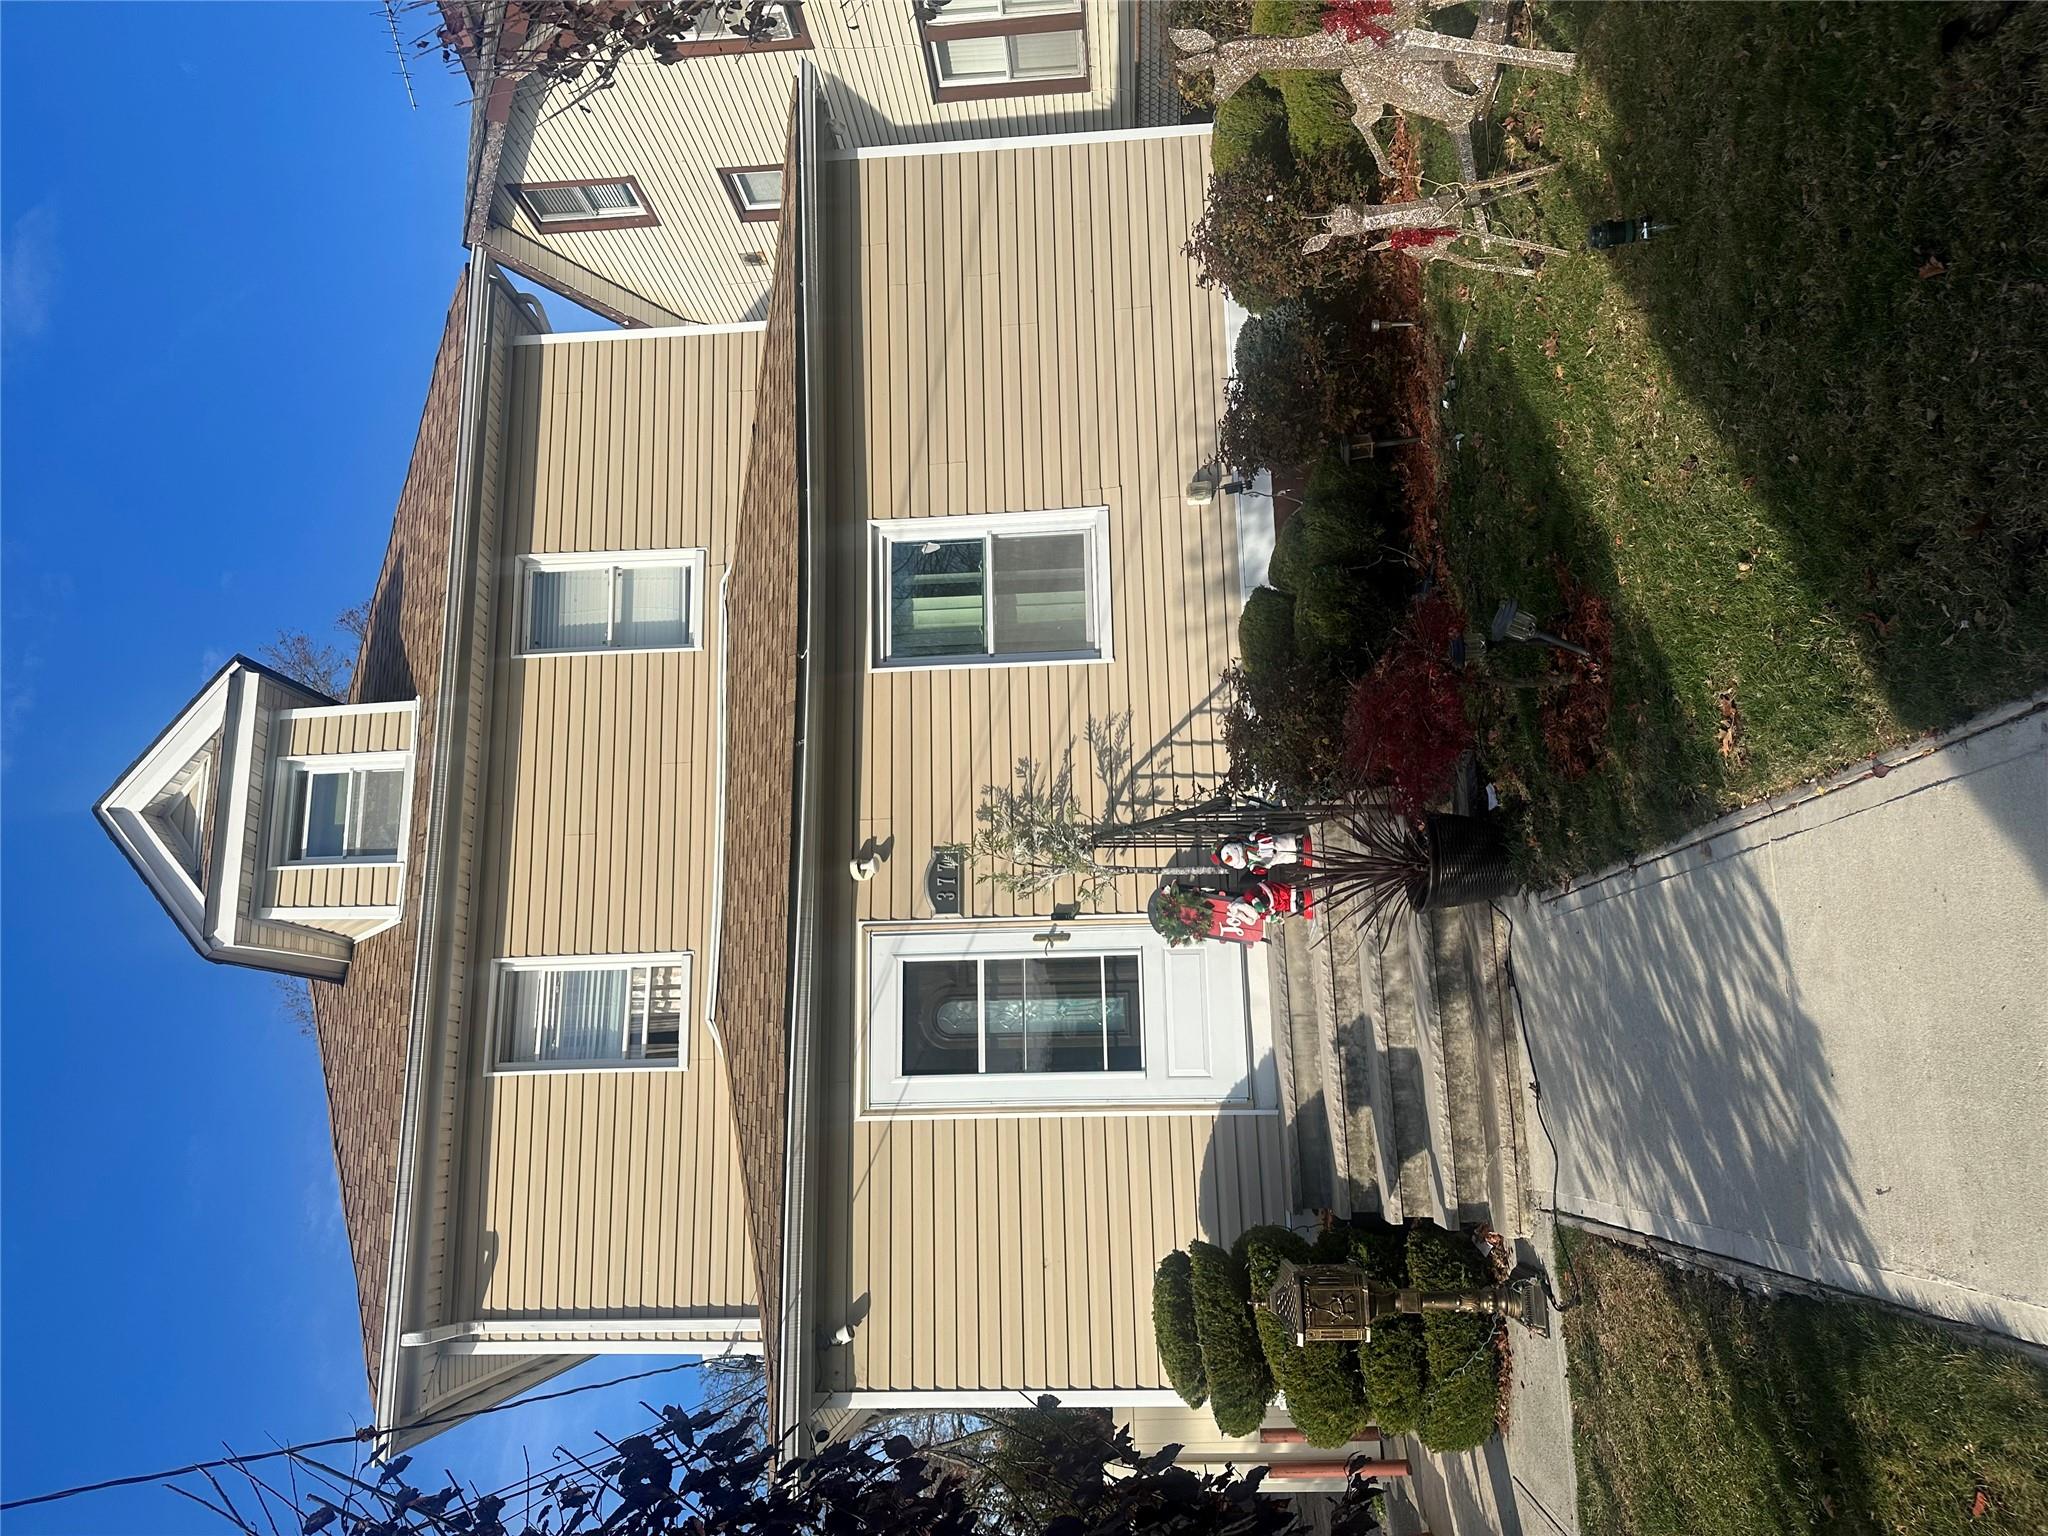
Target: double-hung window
619	601
616	203
343	812
610	1011
1017	587
982	49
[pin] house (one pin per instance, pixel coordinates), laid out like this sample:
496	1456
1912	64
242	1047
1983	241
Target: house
653	1016
653	199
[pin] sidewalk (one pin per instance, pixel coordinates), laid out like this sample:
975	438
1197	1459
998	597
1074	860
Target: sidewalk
1814	1036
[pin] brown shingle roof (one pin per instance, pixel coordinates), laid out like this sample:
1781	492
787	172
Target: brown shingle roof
363	1022
761	725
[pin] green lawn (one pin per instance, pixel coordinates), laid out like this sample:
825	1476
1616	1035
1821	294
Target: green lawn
1797	441
1700	1410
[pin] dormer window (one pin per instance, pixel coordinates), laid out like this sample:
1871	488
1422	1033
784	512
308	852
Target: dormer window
732	26
339	813
615	202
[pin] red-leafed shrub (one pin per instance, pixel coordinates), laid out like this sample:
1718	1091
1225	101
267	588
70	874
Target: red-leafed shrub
1406	726
1357	20
1579	694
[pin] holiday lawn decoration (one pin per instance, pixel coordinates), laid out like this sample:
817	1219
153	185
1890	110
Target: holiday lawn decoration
1262	850
1184	913
1392	62
1427	228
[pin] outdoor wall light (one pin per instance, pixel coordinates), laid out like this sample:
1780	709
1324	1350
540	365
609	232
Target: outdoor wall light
1207	481
1608	233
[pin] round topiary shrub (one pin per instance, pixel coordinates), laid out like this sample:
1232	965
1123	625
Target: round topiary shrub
1240	1383
1382	1251
1325	1398
1251	125
1173	1326
1461	1393
1392	1362
1265	631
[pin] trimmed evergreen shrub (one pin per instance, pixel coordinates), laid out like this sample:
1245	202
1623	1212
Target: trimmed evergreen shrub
1286	18
1265	633
1240	1383
1325	1398
1284	731
1383	1253
1461	1398
1173	1326
1444	1261
1316	112
1332	1246
1392	1363
1251	124
1261	1249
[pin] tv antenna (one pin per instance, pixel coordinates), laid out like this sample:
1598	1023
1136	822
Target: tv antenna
398	50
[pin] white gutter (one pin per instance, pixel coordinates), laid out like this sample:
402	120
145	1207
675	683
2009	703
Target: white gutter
430	971
715	1327
716	931
793	1340
1005	1397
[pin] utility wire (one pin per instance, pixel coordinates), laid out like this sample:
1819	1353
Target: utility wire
361	1435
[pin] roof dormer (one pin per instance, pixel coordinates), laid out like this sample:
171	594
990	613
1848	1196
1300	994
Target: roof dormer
272	823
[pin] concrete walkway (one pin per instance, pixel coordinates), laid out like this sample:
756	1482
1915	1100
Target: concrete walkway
1814	1036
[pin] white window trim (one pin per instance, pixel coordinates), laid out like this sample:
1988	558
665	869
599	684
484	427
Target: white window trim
1009	76
724	31
1093	521
696	559
886	1092
284	839
735	180
589	210
500	968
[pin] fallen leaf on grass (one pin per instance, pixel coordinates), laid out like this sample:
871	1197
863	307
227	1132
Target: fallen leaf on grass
1558	369
1882	626
1749	482
1931	267
1550	345
1728	734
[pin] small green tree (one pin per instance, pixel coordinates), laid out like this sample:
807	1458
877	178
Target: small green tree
1240	1383
1173	1328
1325	1398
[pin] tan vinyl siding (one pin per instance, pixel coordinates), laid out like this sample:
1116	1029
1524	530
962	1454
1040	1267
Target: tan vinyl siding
606	1192
1021	332
333	885
1028	336
317	732
271	700
674	126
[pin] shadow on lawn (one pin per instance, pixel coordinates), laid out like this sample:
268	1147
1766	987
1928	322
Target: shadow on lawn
1855	295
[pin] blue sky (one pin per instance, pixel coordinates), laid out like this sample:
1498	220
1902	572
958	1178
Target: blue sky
228	246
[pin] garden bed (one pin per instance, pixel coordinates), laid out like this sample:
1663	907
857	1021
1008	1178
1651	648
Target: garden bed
1780	463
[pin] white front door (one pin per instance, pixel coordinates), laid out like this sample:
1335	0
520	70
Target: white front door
989	1014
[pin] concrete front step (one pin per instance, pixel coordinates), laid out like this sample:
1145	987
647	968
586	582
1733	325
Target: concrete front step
1400	1069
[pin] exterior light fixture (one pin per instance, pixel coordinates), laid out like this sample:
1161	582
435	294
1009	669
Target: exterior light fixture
1608	233
1334	1304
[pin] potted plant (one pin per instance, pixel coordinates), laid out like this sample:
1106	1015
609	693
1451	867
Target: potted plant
1432	863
